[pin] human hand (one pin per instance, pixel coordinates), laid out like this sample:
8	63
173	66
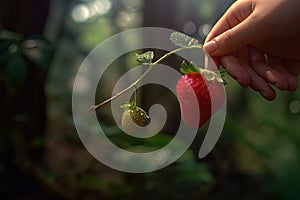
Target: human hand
258	44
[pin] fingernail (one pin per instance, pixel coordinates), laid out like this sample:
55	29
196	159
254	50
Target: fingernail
210	47
271	77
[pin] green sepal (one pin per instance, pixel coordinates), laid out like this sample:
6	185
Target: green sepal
127	106
142	112
188	68
208	74
222	72
132	106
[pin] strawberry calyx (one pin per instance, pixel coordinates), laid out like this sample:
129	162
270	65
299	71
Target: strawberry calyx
208	74
132	106
128	106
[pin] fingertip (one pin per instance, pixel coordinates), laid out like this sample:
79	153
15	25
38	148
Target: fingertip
242	76
244	80
268	95
277	79
210	47
261	85
292	83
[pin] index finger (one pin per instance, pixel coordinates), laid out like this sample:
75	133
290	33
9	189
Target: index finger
237	13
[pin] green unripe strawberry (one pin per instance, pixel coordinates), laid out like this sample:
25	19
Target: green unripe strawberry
133	117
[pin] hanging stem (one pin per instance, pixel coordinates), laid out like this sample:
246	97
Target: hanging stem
135	94
151	66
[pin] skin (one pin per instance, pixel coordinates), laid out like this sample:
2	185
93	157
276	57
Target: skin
258	43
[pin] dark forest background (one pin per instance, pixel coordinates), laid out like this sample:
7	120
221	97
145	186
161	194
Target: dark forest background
42	44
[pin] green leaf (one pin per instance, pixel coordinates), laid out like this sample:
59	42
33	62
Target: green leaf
145	58
182	40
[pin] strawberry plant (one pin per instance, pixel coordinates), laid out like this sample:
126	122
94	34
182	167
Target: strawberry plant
206	84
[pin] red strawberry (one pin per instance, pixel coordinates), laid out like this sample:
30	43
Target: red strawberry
207	86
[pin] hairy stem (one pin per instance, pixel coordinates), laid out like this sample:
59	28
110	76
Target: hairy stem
151	66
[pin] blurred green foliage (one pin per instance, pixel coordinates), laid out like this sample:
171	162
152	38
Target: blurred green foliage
16	53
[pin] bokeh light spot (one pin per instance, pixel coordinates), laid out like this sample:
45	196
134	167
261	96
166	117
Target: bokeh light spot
101	7
295	106
204	30
81	13
189	27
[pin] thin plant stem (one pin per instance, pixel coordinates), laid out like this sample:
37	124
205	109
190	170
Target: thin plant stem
151	66
135	94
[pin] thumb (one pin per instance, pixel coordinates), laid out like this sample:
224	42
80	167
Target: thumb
234	30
